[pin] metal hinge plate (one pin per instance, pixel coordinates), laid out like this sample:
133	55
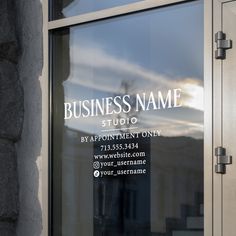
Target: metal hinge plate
221	160
222	44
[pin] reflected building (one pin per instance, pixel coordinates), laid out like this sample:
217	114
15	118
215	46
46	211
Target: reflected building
169	198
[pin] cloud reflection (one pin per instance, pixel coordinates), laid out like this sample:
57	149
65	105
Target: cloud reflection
97	71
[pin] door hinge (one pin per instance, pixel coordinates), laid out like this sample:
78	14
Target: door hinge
222	44
221	160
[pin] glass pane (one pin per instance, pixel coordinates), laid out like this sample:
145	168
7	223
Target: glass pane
128	125
66	8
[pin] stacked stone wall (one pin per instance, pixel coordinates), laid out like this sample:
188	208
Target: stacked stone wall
11	119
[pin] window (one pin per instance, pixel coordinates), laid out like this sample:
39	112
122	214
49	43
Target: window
127	122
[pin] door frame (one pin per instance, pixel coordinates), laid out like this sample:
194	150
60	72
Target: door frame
217	109
208	119
210	189
217	25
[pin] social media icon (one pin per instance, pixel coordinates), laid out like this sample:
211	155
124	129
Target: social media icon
96	173
96	165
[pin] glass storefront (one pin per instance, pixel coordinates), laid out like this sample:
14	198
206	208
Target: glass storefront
127	125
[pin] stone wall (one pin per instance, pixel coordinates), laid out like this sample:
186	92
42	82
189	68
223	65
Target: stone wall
29	31
11	118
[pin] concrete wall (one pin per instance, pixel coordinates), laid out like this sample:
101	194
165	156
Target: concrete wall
29	148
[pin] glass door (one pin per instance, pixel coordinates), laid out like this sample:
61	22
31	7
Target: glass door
128	125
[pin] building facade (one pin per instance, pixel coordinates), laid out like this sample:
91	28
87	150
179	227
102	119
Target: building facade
117	118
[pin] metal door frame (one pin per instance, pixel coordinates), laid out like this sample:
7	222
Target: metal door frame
208	119
208	88
217	118
217	25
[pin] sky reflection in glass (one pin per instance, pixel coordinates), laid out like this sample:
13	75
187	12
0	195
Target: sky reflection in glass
148	51
67	8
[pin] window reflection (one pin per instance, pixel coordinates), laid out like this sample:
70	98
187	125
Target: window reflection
117	63
135	54
67	8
